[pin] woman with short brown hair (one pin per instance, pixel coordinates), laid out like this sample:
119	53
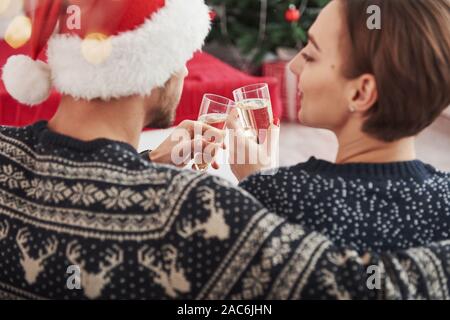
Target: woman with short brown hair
376	89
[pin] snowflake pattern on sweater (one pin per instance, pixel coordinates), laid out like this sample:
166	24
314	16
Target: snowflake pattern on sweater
379	207
137	230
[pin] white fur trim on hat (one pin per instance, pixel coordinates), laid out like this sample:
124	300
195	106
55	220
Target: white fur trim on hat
26	80
139	61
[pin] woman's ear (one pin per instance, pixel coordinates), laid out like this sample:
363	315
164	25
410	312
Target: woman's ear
364	93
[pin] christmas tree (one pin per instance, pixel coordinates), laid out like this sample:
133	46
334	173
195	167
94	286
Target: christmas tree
259	27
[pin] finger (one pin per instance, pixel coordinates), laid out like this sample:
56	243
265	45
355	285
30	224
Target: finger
212	131
215	165
276	122
221	145
203	152
198	146
213	137
185	154
233	121
270	134
210	152
272	141
274	132
197	128
208	155
211	134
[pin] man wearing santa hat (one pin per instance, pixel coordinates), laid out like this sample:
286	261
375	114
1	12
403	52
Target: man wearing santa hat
84	216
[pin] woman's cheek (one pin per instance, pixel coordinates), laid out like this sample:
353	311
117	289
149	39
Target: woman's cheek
318	95
308	87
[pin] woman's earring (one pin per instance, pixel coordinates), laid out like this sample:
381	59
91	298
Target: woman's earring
352	109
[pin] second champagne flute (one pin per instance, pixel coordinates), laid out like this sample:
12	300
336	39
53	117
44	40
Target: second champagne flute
214	111
255	108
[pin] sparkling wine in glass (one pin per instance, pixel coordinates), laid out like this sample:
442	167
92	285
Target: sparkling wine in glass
214	111
216	120
255	108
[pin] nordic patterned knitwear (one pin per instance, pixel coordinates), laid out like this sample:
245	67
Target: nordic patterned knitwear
138	230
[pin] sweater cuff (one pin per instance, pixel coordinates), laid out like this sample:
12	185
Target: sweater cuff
145	155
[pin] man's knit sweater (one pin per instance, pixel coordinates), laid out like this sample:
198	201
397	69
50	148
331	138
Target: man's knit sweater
133	229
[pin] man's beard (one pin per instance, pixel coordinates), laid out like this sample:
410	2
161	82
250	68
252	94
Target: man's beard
163	116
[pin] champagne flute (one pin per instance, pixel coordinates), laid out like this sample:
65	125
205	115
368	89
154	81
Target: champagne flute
255	109
214	111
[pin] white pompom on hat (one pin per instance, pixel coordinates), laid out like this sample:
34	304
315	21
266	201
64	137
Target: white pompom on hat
27	80
144	43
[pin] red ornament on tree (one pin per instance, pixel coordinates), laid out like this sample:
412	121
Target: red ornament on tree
212	15
292	14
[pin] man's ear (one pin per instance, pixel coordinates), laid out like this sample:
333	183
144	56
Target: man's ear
363	93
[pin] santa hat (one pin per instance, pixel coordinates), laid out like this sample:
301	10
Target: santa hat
143	43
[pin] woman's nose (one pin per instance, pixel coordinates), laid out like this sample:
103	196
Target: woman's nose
296	65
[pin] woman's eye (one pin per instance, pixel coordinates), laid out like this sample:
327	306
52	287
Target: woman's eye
307	57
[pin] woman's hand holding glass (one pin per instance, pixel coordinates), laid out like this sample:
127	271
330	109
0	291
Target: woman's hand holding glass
247	155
